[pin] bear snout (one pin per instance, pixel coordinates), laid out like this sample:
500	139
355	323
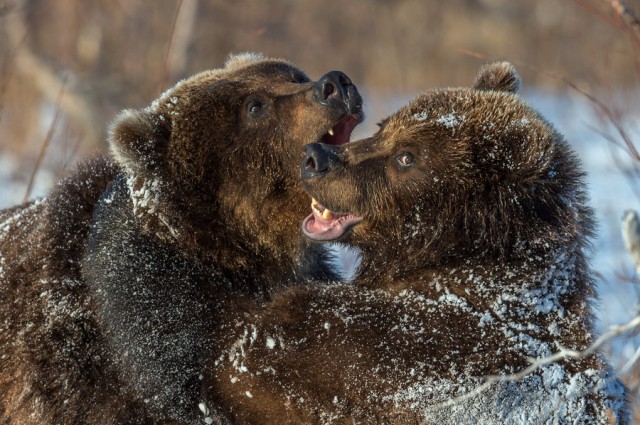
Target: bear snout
335	87
318	160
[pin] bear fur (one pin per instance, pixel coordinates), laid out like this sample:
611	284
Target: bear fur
472	217
111	285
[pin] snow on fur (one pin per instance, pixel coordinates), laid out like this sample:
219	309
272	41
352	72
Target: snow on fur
474	266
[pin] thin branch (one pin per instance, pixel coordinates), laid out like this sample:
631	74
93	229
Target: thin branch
606	136
180	37
70	155
597	12
563	353
613	118
633	360
47	139
628	18
185	25
165	77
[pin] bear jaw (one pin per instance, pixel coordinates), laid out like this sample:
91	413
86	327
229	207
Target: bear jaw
324	225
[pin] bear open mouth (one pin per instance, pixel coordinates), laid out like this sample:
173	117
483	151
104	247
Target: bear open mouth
340	133
325	225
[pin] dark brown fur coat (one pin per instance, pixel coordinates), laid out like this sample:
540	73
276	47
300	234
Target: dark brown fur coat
112	287
472	218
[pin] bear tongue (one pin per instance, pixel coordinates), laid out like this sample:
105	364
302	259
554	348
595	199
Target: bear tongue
340	133
325	225
317	228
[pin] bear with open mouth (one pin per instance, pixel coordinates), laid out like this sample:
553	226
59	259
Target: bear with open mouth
112	286
472	218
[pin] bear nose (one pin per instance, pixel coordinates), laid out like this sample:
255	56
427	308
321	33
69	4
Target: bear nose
333	86
317	160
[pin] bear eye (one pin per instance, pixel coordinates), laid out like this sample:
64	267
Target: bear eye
256	108
405	159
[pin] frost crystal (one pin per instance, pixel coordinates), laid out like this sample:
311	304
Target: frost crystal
450	120
271	343
421	116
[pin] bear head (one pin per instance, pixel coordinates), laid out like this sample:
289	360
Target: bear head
458	174
212	165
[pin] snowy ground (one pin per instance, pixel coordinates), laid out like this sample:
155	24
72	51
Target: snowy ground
14	180
614	188
612	192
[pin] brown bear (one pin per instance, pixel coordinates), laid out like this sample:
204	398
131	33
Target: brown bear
472	218
111	284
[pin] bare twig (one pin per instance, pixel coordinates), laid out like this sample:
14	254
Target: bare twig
630	231
46	79
605	110
47	139
563	353
628	18
165	77
627	277
180	36
629	364
597	12
69	155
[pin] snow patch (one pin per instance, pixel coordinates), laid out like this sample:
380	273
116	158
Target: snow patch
146	196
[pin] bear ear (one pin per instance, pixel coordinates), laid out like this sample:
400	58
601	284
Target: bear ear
138	139
497	76
240	60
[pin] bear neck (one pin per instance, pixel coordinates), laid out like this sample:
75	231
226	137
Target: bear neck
269	253
270	248
558	264
549	294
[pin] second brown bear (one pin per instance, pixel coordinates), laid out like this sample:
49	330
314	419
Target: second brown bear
473	221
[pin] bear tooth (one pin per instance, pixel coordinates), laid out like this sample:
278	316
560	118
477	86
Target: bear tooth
327	215
330	132
314	202
204	409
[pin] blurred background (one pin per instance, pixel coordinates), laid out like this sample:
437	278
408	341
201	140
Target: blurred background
113	54
68	66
